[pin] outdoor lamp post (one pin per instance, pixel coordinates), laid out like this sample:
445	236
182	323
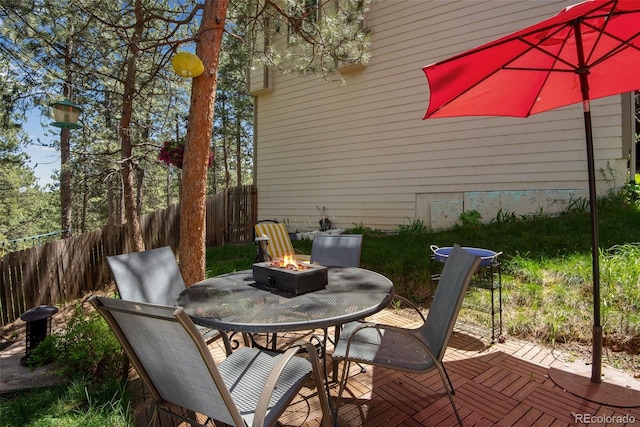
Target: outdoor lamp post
66	114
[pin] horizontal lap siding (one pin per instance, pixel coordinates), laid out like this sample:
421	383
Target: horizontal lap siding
362	150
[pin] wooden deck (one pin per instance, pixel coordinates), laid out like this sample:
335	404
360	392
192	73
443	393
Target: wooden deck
504	384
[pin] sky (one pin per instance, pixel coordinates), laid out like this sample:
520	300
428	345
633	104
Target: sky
43	159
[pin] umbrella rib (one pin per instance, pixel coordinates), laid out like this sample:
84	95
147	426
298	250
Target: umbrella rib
499	42
602	32
546	70
552	55
624	44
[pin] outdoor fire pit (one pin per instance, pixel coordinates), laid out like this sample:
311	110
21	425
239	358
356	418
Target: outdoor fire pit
289	276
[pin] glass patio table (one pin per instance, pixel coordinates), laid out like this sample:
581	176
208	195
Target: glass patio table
235	302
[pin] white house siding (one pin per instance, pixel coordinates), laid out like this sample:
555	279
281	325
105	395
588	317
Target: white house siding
362	150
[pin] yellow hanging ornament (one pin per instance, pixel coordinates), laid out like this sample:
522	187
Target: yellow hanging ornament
187	64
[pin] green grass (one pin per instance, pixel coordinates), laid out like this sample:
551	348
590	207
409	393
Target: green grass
546	266
74	404
228	258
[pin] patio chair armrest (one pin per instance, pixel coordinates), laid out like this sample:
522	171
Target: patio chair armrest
306	342
211	335
362	325
409	333
319	375
270	384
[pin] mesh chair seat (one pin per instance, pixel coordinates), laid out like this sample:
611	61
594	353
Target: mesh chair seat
248	369
398	347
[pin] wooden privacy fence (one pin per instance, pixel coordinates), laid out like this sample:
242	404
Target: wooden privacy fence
67	269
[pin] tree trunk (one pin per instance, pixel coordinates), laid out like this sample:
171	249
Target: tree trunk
130	209
65	183
225	151
198	139
65	151
225	145
238	152
85	206
140	189
112	204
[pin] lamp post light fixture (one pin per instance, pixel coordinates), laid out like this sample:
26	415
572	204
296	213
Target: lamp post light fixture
66	114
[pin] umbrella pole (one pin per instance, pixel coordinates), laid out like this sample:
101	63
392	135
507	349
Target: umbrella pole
583	73
596	366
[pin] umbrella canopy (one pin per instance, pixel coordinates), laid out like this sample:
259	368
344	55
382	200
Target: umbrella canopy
543	64
589	50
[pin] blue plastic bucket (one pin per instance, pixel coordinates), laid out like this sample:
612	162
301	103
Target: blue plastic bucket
487	256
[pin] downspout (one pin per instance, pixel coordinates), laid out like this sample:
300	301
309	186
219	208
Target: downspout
629	146
255	140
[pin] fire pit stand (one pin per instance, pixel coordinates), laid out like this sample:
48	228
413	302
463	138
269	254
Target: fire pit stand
488	276
38	327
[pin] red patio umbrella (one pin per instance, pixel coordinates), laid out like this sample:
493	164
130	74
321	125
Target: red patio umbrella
589	50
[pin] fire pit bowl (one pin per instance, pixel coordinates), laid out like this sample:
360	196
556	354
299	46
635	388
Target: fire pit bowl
294	280
488	257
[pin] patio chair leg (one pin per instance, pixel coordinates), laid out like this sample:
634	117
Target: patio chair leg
125	369
343	383
155	415
453	391
449	389
336	338
227	343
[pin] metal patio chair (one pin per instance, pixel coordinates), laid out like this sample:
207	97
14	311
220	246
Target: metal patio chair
250	387
413	350
273	241
338	250
153	277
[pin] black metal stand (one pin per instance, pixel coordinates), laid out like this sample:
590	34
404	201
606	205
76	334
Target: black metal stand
38	327
490	278
487	277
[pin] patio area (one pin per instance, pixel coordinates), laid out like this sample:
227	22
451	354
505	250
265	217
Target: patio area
505	384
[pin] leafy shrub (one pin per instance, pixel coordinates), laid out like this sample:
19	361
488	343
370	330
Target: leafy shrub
364	230
85	349
415	226
470	218
504	216
630	193
577	205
